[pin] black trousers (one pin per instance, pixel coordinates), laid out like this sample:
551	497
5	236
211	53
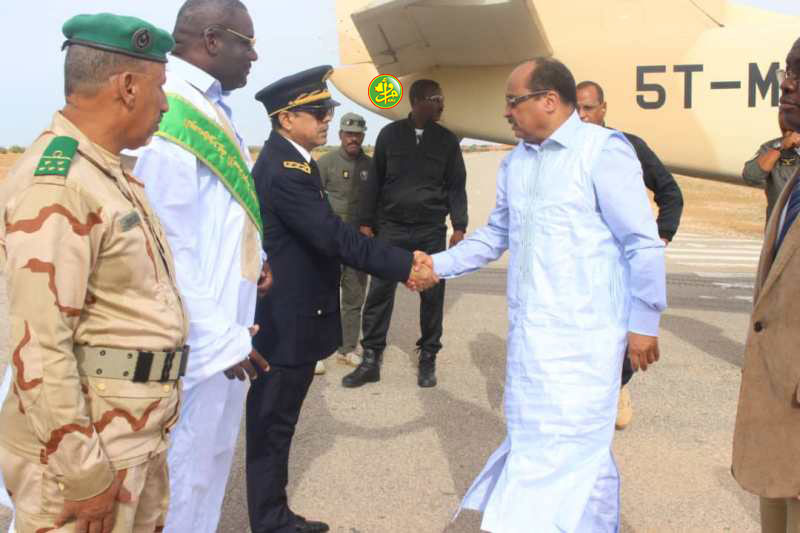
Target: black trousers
378	308
273	407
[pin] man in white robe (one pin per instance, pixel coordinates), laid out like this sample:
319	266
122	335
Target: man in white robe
217	251
586	279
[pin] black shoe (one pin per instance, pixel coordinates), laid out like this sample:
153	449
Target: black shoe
309	526
369	371
427	370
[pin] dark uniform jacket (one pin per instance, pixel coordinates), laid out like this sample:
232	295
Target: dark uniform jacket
306	244
666	192
415	183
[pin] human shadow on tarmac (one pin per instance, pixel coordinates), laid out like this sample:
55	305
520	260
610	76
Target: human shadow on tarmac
705	337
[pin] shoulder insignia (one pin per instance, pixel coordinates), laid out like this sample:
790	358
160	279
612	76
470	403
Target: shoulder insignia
305	167
57	157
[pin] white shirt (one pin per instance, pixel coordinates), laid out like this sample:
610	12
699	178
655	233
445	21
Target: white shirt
204	226
305	153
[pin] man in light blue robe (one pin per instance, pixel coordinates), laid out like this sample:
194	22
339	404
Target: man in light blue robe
586	280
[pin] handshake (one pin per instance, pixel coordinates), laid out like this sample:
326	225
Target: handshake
422	276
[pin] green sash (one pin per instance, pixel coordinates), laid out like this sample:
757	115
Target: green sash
189	127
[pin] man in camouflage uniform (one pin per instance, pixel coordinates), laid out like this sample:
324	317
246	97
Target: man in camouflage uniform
342	171
97	324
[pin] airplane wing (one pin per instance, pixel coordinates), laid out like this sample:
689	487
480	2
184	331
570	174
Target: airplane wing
408	36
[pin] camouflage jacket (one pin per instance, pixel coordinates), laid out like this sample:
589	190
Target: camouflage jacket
87	263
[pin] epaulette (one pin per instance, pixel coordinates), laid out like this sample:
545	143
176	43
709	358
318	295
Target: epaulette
305	167
57	157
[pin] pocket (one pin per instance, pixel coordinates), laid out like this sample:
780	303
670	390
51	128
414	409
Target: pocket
32	487
318	326
434	167
129	416
397	163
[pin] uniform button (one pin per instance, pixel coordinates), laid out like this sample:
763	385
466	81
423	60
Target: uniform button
167	388
758	326
101	386
61	486
319	312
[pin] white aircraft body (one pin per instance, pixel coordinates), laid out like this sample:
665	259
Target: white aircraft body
695	78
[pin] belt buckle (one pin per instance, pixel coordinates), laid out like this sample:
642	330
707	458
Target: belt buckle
144	363
184	360
170	356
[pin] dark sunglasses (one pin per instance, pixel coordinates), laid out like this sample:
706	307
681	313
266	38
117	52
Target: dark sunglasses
319	112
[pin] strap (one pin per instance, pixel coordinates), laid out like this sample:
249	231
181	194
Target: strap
186	125
131	365
57	157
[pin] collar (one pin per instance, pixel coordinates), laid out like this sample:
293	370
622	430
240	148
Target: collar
564	135
305	153
199	78
413	125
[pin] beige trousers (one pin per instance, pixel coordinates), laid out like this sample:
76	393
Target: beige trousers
37	500
780	515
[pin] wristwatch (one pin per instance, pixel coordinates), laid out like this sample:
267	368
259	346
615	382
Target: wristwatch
776	145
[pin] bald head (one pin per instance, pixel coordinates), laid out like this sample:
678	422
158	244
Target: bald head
196	15
540	96
217	36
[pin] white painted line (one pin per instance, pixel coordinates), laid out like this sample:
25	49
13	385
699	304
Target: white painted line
717	265
745	253
712	257
729	275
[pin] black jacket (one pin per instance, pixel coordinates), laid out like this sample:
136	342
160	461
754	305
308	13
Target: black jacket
306	244
665	189
415	183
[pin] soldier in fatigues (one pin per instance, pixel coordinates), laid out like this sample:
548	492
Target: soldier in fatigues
342	172
97	324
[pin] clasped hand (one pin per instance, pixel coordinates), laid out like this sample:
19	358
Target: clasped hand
422	276
248	367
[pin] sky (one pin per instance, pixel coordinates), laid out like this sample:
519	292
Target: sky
292	35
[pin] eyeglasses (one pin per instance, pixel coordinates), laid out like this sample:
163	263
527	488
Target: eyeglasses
514	101
319	112
354	122
249	41
435	98
787	74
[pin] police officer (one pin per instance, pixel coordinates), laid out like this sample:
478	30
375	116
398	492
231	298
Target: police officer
342	171
306	244
97	324
416	179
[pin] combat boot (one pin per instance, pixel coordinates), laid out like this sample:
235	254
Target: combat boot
369	371
427	370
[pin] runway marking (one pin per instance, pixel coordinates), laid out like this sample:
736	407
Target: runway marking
712	253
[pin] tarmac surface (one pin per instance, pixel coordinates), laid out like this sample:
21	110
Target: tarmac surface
391	457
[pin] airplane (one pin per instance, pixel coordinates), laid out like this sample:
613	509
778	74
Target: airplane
697	79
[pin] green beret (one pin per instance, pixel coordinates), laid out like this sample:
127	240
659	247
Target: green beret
124	35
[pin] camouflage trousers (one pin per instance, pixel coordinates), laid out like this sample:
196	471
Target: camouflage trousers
354	289
38	501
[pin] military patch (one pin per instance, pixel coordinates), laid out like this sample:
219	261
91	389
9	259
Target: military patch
130	221
346	174
305	167
363	175
57	157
